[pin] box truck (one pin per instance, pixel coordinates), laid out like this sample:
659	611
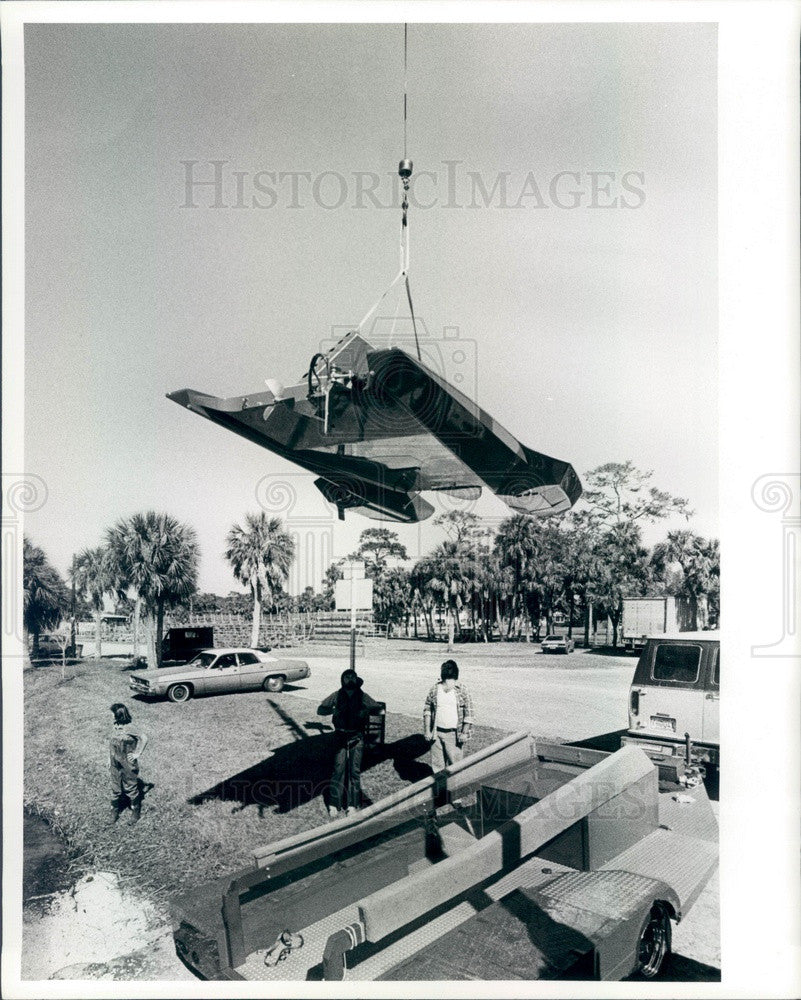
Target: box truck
652	616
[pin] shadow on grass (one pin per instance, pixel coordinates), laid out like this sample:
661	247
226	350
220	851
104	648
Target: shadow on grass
212	695
301	771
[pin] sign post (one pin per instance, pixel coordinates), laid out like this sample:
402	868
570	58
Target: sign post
353	618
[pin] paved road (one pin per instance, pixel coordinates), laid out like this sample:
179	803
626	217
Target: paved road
570	697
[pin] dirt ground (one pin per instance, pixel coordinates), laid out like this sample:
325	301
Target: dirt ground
200	747
513	687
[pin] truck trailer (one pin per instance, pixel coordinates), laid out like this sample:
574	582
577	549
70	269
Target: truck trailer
524	861
652	616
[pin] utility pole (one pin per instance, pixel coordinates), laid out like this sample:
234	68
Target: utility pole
352	592
352	619
72	608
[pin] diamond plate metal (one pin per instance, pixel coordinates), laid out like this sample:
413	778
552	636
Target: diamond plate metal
419	866
694	819
684	863
613	894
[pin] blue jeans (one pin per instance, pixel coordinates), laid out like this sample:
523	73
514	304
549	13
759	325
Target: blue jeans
347	770
444	750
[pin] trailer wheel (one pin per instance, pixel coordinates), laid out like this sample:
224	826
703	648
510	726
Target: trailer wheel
653	945
274	684
179	693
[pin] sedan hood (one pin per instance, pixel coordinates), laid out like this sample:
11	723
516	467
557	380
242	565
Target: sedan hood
154	675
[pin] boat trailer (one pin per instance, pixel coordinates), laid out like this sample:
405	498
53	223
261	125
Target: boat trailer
523	861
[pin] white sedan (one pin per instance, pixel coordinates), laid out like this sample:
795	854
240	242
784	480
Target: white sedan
558	644
219	671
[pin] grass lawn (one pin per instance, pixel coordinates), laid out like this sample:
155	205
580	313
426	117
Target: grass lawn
231	772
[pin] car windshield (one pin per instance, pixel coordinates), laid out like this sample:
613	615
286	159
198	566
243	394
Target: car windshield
202	660
553	638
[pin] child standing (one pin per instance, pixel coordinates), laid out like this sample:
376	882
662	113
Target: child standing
127	743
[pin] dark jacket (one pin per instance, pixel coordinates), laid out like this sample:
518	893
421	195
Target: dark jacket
350	712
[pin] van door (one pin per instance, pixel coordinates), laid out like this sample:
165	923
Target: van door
670	691
712	700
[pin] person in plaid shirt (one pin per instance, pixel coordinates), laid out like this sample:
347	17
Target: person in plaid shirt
447	717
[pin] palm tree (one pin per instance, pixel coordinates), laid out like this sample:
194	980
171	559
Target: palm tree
519	545
699	560
391	596
260	555
712	552
448	582
620	570
45	596
156	557
93	580
422	597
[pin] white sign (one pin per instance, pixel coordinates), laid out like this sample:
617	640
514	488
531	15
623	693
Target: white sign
353	595
353	570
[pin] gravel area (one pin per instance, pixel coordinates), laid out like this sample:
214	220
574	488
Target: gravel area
560	697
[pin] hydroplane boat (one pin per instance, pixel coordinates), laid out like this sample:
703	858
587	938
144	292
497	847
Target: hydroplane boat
378	428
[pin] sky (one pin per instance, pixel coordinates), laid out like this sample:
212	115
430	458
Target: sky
563	253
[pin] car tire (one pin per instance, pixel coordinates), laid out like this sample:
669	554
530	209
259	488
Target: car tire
179	693
653	944
274	684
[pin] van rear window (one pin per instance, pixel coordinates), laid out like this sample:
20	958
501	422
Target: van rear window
679	664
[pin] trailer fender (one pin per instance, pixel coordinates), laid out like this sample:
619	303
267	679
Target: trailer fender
618	954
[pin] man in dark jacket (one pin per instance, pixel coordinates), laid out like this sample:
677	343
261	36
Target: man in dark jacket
350	708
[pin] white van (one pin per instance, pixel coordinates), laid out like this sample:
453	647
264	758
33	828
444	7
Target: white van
675	693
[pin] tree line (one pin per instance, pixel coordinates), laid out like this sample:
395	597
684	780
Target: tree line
484	582
149	563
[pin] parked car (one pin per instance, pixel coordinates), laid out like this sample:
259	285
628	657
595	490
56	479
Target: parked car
50	648
558	644
219	671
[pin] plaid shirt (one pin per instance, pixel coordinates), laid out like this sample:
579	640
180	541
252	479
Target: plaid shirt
464	708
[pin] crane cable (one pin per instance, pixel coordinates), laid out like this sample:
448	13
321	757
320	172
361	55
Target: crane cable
405	80
404	172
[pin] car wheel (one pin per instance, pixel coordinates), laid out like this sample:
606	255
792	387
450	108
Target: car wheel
274	684
653	945
179	693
